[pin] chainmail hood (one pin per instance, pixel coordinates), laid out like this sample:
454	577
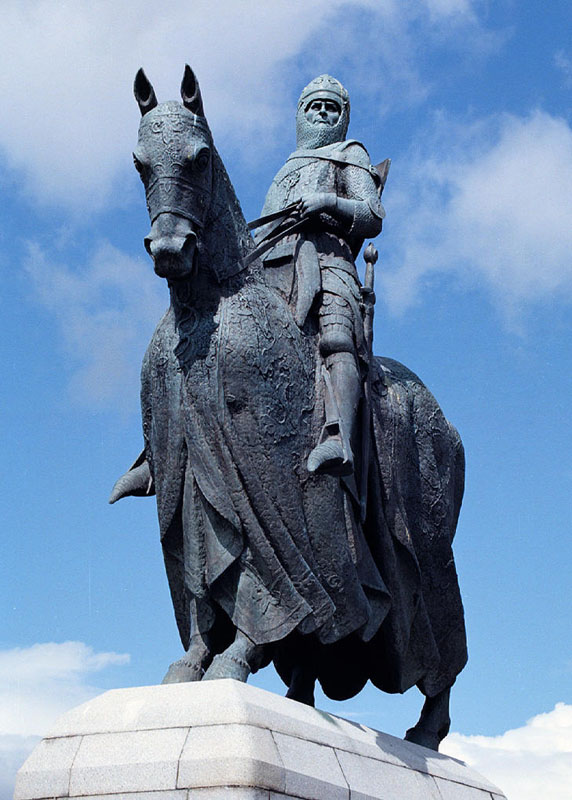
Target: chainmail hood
310	136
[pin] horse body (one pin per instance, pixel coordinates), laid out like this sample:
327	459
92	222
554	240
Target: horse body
266	562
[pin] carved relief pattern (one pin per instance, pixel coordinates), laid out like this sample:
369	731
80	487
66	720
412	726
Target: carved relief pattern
266	350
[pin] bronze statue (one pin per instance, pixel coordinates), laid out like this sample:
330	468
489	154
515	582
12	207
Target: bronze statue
340	577
330	182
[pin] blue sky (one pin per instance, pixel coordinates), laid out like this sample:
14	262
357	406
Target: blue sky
473	102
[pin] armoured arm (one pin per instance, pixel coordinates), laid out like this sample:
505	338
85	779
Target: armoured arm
356	204
358	217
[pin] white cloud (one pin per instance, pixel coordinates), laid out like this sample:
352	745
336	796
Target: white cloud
40	682
106	311
492	203
448	8
37	684
68	69
563	63
526	763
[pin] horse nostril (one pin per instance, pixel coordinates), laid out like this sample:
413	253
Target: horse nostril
190	241
147	241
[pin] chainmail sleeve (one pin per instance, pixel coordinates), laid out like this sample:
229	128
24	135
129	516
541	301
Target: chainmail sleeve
359	183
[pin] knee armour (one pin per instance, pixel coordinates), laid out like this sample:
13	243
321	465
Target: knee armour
336	326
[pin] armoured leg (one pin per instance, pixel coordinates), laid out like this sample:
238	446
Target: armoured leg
333	453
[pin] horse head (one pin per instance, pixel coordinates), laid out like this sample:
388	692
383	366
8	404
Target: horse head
174	157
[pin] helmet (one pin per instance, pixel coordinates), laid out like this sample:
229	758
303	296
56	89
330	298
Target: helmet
327	88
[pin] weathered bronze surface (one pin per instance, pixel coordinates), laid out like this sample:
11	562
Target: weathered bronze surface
307	492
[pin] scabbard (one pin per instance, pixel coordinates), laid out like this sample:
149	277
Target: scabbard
369	301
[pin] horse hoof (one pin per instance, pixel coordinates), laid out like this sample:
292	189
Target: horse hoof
423	737
182	672
227	666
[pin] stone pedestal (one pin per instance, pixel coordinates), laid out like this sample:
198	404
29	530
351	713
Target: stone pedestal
227	740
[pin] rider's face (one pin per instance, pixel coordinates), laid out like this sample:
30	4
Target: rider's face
323	112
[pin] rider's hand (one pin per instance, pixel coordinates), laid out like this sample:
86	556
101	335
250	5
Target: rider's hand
316	202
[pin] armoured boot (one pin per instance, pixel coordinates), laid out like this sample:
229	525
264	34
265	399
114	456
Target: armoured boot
333	454
136	482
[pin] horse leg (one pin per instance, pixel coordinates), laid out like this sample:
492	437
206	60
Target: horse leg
199	654
238	661
302	684
301	653
434	723
191	667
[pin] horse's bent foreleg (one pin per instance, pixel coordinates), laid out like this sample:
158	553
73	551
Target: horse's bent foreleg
434	723
238	661
192	666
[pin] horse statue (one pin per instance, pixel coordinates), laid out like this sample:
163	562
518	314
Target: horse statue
267	562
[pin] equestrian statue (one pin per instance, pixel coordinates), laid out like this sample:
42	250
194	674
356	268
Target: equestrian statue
307	491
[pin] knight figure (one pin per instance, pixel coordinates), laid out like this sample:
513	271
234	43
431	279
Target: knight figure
332	188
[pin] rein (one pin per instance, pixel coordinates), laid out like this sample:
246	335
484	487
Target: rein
285	217
279	215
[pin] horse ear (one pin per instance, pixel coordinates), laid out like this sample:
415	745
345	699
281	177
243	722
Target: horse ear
144	92
191	93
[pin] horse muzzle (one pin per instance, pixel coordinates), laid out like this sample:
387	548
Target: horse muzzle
172	253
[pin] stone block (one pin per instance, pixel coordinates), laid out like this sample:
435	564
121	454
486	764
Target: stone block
223	740
450	790
230	793
230	755
46	772
167	795
136	761
138	708
307	764
372	779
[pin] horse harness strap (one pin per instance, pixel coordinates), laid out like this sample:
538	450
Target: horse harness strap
170	194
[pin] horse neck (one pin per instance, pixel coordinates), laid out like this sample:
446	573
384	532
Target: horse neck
223	243
225	239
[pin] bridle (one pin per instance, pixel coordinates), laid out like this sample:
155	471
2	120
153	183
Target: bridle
176	195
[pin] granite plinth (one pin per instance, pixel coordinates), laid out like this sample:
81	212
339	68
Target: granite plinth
224	740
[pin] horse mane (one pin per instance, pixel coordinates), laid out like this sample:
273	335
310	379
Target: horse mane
226	239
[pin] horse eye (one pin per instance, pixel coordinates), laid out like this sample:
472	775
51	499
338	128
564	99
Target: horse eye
202	159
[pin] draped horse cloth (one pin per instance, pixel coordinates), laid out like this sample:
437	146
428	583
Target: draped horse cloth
232	404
